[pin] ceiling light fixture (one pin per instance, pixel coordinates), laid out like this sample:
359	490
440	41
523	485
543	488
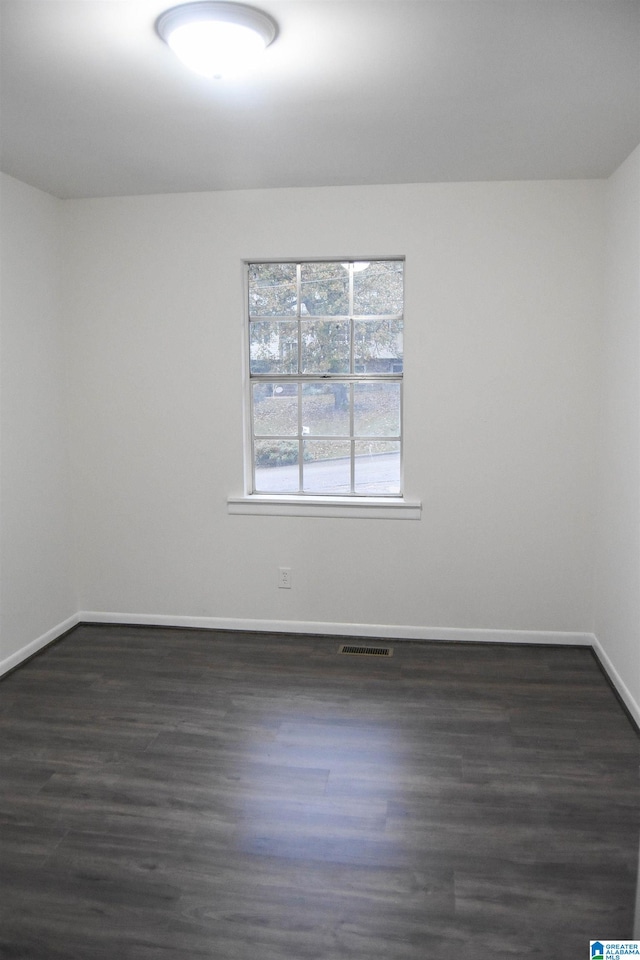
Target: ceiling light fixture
216	39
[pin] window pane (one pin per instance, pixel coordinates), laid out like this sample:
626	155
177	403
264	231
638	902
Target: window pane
377	346
325	409
276	466
325	346
316	428
327	467
324	290
275	409
377	467
378	289
273	290
376	410
274	346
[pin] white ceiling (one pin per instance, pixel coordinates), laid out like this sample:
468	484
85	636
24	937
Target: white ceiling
351	92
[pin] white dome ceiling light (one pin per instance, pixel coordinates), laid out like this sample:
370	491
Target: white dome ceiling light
217	39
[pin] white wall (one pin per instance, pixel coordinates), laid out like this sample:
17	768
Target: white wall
503	301
617	595
37	581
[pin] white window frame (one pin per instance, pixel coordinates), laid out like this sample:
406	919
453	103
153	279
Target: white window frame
355	505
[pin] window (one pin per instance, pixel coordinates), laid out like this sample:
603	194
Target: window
325	378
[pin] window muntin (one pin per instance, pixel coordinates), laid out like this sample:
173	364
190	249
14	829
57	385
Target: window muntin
325	372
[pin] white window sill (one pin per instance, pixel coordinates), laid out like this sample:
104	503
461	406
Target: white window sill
366	508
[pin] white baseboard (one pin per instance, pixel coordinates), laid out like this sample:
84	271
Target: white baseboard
623	691
28	651
383	631
371	630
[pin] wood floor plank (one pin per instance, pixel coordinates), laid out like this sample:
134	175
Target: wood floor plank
169	793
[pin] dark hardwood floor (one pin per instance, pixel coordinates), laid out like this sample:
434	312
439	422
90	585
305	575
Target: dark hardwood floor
185	794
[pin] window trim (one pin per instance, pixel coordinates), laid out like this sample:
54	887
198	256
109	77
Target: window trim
354	505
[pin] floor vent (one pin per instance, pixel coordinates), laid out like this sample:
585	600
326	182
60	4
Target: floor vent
366	651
